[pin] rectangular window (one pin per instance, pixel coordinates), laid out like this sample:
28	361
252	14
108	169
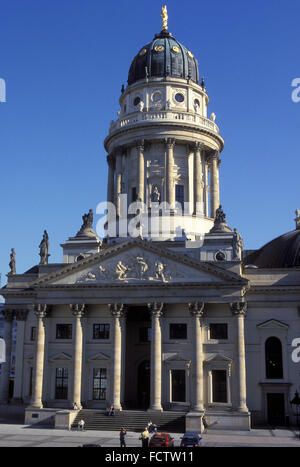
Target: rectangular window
178	385
33	333
179	194
178	331
219	385
30	381
61	383
101	331
145	334
133	194
99	384
64	331
218	331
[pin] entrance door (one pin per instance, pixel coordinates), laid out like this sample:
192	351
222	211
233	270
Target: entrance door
276	412
143	389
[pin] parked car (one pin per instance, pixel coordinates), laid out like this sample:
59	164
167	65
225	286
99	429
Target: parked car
190	440
161	440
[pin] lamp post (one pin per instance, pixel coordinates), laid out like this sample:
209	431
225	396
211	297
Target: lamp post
296	402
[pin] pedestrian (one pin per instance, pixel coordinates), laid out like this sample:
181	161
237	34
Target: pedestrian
145	438
122	438
111	410
81	425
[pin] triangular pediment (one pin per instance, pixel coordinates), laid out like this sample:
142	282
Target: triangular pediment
139	262
98	357
60	356
218	358
174	357
273	324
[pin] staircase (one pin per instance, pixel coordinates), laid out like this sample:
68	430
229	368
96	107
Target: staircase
132	420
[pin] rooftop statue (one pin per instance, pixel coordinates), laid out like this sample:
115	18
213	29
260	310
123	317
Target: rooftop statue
12	263
87	225
164	15
44	248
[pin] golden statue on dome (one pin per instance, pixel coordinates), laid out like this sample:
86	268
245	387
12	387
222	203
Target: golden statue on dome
164	15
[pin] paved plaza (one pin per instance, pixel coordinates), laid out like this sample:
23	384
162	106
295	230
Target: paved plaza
28	436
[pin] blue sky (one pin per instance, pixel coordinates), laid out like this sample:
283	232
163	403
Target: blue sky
64	62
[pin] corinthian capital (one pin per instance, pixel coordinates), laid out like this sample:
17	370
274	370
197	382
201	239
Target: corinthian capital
170	143
117	309
78	309
41	310
238	308
213	156
140	144
8	314
197	309
156	309
197	146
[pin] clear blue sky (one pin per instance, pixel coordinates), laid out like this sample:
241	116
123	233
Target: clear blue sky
64	62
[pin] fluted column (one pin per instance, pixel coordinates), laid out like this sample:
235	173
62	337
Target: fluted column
117	311
239	311
140	170
155	371
111	180
198	182
196	310
5	367
214	184
170	188
21	316
41	313
78	312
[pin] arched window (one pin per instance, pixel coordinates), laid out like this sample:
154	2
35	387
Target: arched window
273	353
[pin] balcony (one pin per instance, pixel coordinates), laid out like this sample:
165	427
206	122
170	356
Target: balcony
163	116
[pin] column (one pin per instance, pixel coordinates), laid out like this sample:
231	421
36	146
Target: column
5	367
214	184
155	371
78	312
170	188
37	393
117	311
111	179
21	316
118	182
140	170
196	310
239	312
198	183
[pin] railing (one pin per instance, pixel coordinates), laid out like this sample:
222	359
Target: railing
164	115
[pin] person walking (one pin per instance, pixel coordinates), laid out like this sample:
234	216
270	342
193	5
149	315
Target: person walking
123	438
81	425
145	438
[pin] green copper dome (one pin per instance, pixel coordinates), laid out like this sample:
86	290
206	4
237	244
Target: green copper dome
163	57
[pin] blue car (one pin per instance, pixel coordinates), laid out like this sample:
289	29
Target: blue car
190	440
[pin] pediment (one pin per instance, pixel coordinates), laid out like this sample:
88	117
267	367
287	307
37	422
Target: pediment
174	357
99	357
60	356
139	262
218	358
273	324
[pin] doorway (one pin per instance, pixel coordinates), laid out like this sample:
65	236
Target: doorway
143	389
276	410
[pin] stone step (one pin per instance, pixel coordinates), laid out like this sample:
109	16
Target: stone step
173	422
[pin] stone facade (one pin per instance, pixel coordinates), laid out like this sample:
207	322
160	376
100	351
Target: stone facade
167	321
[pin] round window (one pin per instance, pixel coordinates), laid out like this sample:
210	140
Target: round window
136	101
220	256
179	97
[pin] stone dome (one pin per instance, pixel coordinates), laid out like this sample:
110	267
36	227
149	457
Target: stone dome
162	57
282	252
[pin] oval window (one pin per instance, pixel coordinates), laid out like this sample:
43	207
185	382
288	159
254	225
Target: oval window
179	97
220	256
136	101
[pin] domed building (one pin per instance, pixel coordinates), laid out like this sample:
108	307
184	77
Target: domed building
166	317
